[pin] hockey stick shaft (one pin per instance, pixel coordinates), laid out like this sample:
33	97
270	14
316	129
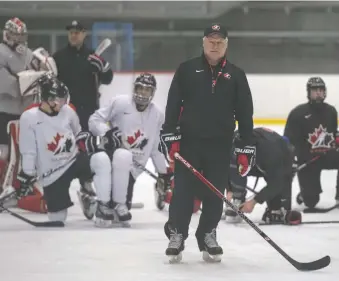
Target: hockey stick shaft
138	165
323	262
36	224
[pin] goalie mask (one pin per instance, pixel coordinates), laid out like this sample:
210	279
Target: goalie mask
53	91
15	35
144	89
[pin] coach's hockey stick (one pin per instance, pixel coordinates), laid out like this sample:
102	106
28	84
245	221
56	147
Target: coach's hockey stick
304	222
308	266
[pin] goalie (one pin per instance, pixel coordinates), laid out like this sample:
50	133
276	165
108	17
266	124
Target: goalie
17	64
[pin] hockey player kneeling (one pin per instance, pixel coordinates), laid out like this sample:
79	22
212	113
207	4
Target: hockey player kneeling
131	125
271	158
48	146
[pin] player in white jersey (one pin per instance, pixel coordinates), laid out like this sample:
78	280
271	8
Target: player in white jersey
136	123
49	148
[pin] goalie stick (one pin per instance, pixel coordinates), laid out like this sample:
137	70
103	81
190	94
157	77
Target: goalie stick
302	266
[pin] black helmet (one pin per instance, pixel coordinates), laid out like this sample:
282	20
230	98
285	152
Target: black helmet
315	83
144	89
51	87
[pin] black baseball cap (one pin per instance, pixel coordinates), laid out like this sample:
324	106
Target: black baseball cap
76	25
216	29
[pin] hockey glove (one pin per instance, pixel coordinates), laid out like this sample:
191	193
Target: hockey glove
112	139
88	143
164	182
169	143
26	184
98	63
245	158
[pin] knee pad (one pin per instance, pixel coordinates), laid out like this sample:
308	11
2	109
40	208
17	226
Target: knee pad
122	159
58	216
100	162
311	200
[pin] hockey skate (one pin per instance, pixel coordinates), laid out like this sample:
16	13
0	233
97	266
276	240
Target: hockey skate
175	246
211	251
162	198
122	215
104	215
87	200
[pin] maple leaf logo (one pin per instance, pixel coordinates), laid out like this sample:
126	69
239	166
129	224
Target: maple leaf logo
320	138
133	139
54	144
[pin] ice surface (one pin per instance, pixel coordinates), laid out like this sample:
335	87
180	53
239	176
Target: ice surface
81	252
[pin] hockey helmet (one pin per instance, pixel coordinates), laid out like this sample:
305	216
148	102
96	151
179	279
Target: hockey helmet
51	89
316	83
15	34
144	88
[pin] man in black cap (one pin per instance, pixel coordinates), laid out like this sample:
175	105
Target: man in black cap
82	71
213	94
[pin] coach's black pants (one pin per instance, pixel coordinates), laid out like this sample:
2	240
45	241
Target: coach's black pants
309	177
211	157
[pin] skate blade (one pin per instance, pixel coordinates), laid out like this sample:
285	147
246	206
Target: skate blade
100	223
121	224
175	259
211	258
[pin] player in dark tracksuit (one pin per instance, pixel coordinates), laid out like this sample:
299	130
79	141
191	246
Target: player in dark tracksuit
312	129
213	93
274	161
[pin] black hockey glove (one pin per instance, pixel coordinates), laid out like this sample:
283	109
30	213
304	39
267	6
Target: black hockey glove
98	63
163	183
26	184
245	159
89	143
112	139
169	143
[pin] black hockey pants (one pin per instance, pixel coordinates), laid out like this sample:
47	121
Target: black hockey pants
210	157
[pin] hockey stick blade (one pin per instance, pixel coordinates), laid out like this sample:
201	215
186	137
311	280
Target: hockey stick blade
103	46
320	210
308	266
36	224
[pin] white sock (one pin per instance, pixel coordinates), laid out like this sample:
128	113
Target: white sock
102	169
122	164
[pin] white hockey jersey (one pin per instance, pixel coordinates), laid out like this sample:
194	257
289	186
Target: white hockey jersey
47	142
140	130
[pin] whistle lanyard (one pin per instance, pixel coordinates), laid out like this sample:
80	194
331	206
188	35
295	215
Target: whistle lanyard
215	79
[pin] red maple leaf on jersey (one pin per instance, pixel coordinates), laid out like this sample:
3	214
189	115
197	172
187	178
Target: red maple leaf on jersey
132	139
320	138
54	144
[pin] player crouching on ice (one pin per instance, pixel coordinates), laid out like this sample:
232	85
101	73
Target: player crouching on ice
49	149
271	158
131	124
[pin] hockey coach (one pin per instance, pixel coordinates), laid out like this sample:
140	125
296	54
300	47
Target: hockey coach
82	71
213	93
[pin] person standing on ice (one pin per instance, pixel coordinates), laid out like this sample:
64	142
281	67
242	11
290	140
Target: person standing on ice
131	124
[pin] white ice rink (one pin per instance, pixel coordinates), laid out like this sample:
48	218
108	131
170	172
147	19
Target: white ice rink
80	252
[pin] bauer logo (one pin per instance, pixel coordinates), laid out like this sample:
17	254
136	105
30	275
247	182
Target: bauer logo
245	150
173	138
